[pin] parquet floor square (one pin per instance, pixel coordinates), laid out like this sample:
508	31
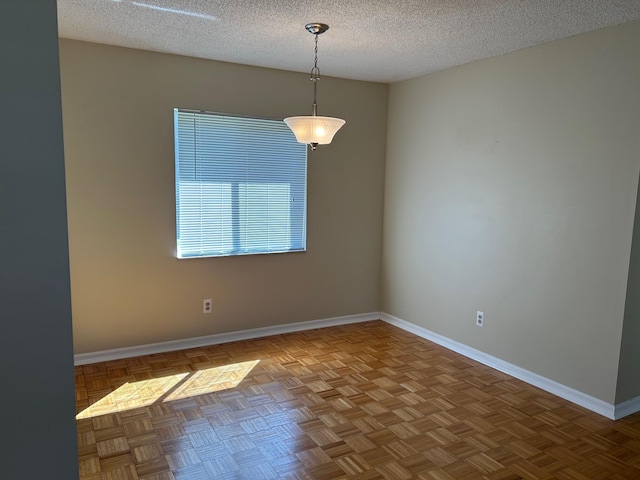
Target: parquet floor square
365	401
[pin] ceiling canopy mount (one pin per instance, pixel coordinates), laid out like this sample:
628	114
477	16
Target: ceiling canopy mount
316	28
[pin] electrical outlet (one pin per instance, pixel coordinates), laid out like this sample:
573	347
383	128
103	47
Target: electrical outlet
479	318
207	305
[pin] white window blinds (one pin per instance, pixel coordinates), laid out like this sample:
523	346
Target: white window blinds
241	186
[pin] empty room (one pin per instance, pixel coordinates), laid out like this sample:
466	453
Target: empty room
445	286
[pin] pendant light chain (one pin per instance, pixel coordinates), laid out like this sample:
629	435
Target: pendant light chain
315	71
315	76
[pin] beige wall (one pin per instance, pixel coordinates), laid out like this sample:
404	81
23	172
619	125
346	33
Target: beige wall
127	286
510	188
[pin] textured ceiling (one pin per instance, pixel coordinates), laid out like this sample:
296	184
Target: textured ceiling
376	40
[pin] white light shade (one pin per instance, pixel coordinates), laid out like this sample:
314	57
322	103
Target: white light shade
314	129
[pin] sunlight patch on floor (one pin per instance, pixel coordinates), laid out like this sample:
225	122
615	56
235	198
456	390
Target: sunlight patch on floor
212	380
166	389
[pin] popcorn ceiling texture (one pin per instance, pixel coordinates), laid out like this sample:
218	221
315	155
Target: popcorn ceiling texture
375	40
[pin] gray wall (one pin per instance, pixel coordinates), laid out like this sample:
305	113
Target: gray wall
510	188
128	287
36	364
629	368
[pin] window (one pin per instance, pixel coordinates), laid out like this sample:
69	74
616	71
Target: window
241	186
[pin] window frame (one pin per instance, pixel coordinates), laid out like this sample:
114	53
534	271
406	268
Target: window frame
241	201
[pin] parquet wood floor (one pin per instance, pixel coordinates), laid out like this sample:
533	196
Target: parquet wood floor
362	402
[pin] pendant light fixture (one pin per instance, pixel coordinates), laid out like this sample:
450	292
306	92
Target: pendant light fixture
313	129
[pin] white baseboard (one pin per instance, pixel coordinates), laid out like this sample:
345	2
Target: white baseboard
575	396
627	408
173	345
